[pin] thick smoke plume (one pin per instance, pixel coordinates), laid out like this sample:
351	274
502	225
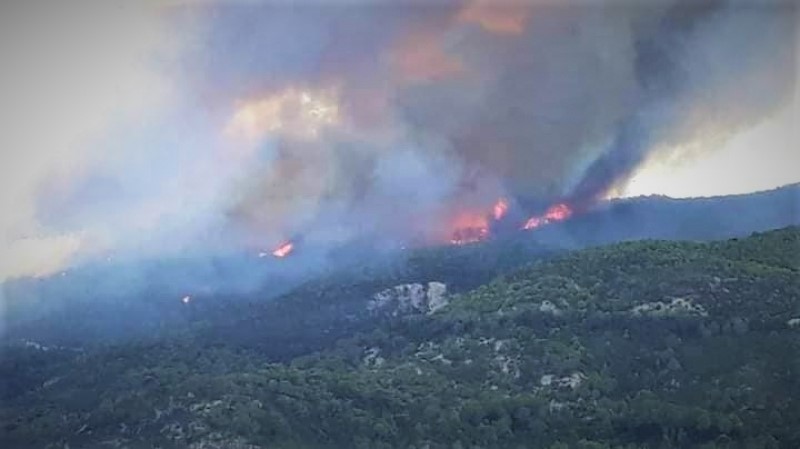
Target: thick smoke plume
334	121
426	110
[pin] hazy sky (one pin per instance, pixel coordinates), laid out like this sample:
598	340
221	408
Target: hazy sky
761	157
170	126
71	74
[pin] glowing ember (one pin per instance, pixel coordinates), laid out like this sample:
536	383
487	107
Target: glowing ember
555	213
500	208
283	250
186	299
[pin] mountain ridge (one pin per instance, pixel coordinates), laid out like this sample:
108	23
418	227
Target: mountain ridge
45	311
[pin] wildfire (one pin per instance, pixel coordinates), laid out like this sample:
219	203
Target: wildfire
500	208
299	113
284	250
555	213
463	236
471	227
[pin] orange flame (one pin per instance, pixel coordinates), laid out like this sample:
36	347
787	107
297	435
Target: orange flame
284	250
558	212
500	208
555	213
462	236
471	227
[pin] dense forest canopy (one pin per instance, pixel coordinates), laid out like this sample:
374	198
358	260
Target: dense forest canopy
638	344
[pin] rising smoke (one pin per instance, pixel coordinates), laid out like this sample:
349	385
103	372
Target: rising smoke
339	120
446	107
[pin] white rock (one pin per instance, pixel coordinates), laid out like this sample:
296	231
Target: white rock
410	298
372	358
443	359
548	307
572	381
35	345
436	296
677	306
499	345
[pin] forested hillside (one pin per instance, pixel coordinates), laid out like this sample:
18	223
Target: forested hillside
647	344
321	295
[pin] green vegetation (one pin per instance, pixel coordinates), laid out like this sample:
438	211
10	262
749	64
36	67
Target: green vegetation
645	344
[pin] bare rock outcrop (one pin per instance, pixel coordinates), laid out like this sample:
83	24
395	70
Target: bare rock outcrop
410	298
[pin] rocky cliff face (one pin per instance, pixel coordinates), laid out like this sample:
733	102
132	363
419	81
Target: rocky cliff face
410	298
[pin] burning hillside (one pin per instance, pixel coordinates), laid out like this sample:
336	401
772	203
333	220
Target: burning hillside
431	122
475	227
555	213
467	227
446	127
283	250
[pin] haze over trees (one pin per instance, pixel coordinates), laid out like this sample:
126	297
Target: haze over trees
650	344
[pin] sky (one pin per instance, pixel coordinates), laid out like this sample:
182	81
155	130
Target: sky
762	157
182	127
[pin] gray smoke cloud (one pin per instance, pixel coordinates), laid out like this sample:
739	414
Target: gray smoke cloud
705	71
221	126
453	105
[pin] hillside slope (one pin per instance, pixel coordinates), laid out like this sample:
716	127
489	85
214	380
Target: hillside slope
660	217
641	344
318	302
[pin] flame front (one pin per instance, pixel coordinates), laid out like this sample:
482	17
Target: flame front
284	250
462	236
471	227
556	213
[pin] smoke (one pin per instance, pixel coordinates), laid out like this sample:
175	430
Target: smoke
480	100
70	73
208	126
706	72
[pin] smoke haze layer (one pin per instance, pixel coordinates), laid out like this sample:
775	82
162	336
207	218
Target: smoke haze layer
256	123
